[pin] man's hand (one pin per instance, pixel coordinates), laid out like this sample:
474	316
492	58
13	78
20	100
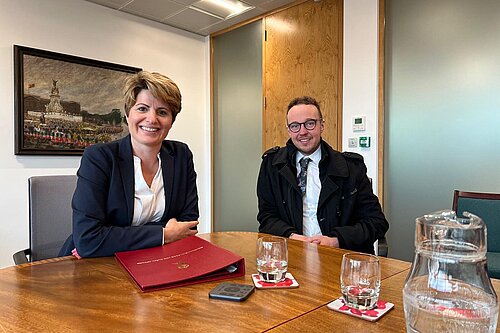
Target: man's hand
175	230
300	238
325	240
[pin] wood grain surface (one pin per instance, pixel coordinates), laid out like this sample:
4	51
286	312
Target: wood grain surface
303	56
70	295
326	320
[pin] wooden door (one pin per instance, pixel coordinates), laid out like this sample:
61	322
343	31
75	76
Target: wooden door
303	56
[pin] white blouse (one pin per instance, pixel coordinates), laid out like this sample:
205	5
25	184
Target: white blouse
149	202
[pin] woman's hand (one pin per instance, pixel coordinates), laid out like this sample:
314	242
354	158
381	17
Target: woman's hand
175	230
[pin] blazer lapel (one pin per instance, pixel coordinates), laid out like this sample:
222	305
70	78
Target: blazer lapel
126	165
167	169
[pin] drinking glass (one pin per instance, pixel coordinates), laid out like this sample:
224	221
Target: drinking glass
360	280
272	258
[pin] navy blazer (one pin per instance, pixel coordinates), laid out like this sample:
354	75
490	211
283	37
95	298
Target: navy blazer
103	202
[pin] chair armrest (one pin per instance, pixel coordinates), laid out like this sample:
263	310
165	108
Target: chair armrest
21	257
383	247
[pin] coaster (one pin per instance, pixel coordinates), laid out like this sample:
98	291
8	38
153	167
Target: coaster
288	282
371	315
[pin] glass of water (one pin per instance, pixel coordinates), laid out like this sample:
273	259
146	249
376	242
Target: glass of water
360	280
272	258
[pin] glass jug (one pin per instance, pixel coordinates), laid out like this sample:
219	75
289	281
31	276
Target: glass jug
448	288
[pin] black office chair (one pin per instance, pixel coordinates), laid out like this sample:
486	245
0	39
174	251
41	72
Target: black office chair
381	246
487	207
50	216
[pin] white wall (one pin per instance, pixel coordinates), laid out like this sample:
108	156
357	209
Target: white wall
360	94
88	30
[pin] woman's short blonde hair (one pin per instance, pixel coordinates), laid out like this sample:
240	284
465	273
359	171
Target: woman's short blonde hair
160	86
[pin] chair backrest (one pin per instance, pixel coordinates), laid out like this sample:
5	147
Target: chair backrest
487	207
380	246
50	214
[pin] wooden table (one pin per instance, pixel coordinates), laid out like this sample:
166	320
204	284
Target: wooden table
326	320
69	295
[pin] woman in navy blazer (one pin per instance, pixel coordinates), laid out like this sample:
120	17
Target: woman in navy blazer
139	191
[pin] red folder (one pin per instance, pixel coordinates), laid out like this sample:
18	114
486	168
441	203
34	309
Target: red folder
184	262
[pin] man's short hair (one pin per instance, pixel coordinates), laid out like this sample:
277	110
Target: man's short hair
306	100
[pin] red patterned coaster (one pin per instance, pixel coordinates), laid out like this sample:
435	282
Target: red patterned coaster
288	282
371	315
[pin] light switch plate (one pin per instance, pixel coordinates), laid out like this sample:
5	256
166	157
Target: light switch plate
353	143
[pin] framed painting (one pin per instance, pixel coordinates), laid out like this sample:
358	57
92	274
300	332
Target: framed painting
64	103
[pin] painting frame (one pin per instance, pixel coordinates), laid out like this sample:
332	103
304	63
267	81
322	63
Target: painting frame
83	104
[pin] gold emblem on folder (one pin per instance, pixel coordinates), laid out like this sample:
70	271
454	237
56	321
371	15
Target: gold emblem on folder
181	265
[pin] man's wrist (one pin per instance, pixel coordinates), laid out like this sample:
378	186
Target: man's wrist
293	233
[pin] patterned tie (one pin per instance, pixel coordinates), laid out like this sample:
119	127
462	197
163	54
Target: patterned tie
302	178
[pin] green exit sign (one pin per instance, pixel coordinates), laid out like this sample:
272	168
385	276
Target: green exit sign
364	141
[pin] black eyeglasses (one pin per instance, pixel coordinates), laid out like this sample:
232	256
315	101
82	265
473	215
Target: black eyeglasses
309	124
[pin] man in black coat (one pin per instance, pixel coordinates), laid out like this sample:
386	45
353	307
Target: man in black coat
310	192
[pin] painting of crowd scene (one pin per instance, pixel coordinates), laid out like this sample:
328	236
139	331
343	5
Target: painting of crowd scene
68	103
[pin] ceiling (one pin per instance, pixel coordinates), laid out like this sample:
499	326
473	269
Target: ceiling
179	14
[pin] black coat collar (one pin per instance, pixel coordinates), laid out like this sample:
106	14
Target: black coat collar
336	164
